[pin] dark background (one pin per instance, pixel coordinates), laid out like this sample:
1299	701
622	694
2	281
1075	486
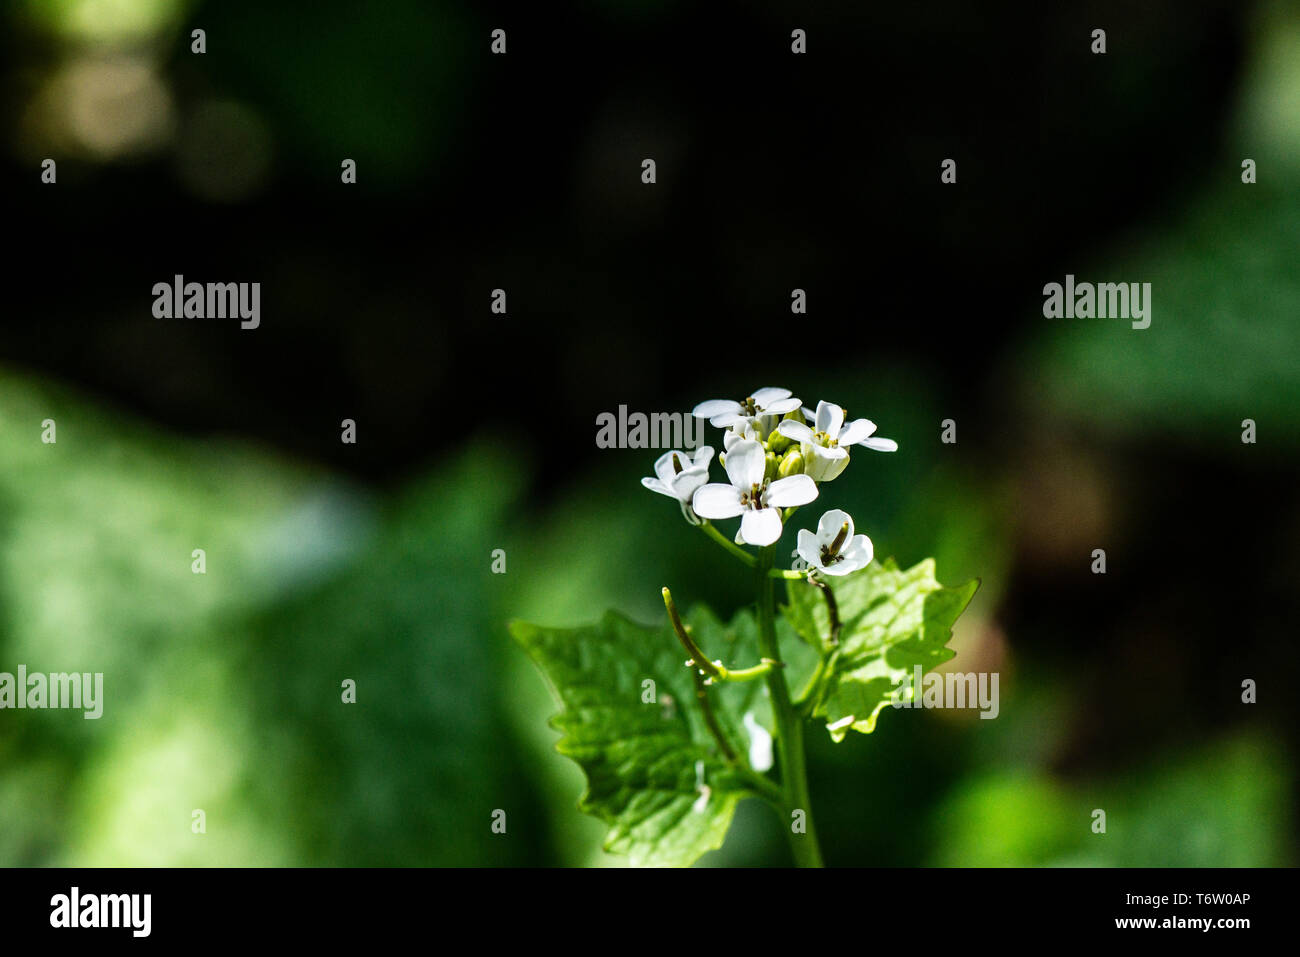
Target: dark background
523	172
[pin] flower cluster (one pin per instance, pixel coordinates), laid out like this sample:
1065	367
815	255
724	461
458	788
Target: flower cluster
776	453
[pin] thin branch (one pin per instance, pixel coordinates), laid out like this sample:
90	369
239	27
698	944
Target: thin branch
698	658
749	674
702	696
832	609
729	545
790	576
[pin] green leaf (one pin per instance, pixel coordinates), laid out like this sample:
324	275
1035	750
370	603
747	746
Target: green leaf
641	757
891	620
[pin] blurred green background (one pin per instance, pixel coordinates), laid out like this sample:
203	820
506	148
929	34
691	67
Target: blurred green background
1119	692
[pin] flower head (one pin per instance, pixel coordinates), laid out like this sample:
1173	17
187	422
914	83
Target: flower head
824	444
679	474
742	430
834	549
752	496
763	404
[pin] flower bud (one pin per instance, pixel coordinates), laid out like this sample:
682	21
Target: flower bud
778	443
770	467
792	464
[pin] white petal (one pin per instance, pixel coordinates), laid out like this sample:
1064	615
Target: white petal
795	430
717	501
860	550
830	524
835	466
769	394
856	431
880	445
808	548
829	418
780	406
702	802
743	429
654	485
788	492
766	424
703	456
822	464
711	407
760	744
724	420
684	485
664	465
745	463
857	554
760	526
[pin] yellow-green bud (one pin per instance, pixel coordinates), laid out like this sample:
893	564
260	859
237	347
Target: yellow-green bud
792	464
769	469
778	443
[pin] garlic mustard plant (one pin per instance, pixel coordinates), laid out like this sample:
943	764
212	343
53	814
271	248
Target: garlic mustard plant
669	745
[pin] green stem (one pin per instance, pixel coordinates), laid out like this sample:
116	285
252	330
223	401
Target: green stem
728	544
698	658
759	784
702	696
749	674
790	576
700	662
789	727
832	610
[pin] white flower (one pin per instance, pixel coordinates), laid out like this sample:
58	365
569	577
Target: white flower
862	432
765	402
744	429
823	445
834	549
823	458
752	496
678	474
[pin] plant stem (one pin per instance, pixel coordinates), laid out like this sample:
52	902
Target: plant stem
789	727
748	674
702	696
728	544
832	610
698	658
790	576
761	785
700	662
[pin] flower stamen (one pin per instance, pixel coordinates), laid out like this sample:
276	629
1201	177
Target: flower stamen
831	553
